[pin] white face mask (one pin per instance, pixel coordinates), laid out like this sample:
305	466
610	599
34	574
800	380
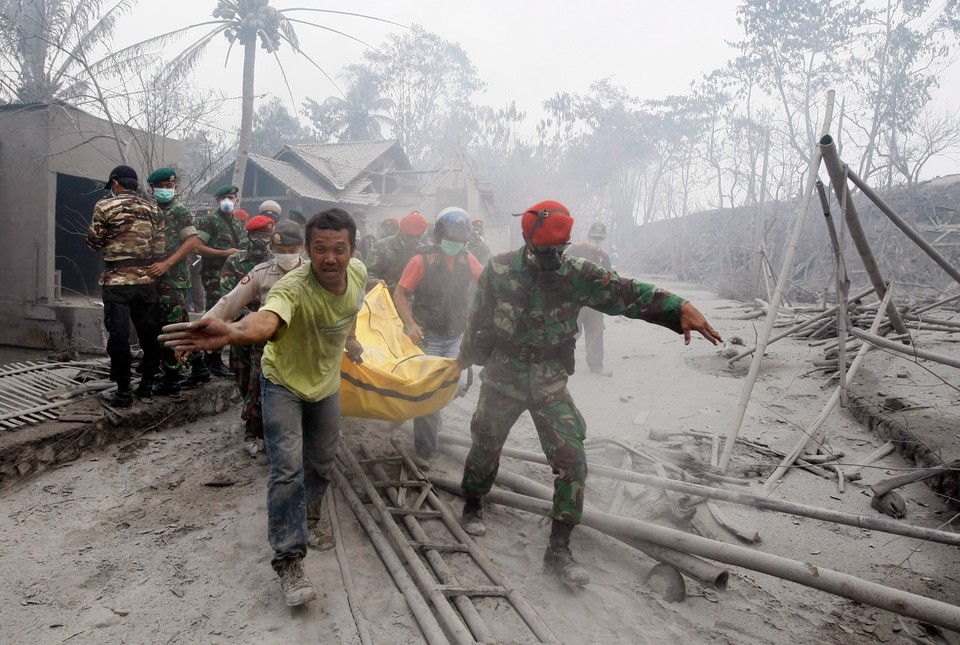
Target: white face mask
287	261
226	205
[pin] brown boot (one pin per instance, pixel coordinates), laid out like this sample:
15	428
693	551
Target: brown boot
297	588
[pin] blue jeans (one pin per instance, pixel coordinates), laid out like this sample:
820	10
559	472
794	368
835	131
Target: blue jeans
425	428
301	440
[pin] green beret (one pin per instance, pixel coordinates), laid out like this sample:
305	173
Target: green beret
297	214
223	190
162	174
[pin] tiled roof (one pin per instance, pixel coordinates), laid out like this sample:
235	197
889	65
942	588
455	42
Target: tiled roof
341	163
305	186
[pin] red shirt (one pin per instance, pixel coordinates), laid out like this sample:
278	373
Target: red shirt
413	272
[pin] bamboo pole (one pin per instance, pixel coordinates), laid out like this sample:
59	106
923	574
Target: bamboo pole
440	567
838	177
526	611
809	433
908	230
345	573
874	456
421	611
843	288
782	281
907	350
897	601
699	570
421	576
747	499
826	313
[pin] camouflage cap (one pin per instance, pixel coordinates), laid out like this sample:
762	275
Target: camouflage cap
226	189
287	233
162	174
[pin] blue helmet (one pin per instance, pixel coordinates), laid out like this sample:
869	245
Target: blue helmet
453	224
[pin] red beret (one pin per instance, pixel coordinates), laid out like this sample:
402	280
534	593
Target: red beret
413	224
260	224
555	225
241	214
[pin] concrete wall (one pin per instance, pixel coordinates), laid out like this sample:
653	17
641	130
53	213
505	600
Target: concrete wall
36	143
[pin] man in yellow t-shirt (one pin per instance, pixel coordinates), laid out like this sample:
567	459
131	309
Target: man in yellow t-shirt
309	319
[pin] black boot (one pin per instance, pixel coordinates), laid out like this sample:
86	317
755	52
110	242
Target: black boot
214	362
199	373
558	558
472	518
118	398
144	391
169	386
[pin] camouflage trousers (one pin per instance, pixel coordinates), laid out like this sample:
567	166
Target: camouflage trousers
173	309
561	429
245	363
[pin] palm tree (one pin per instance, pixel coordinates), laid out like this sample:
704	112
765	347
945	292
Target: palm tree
358	116
46	45
247	23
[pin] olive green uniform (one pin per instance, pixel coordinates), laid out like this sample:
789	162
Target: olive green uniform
521	328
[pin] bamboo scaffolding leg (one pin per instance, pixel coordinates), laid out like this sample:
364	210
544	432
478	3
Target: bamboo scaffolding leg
843	288
838	177
809	433
421	611
803	510
908	230
870	593
782	281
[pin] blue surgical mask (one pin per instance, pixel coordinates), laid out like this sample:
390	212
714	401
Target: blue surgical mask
164	195
451	248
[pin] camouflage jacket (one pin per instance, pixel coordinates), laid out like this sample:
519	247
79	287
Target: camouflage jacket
596	255
236	269
517	306
178	226
128	228
387	260
479	248
220	231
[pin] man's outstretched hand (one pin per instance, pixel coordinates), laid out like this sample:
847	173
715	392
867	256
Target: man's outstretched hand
692	320
204	335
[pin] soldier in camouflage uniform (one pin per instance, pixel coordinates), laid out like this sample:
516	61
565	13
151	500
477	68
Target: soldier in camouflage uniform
173	277
522	324
590	320
389	256
129	230
221	235
243	357
477	245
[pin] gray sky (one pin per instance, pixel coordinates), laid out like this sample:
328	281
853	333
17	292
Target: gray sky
525	50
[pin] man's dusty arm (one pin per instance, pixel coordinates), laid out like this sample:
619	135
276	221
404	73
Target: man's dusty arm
209	334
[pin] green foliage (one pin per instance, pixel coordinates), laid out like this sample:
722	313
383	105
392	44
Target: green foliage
361	115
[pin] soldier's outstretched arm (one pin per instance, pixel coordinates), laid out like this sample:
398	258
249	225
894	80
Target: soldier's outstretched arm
209	334
692	320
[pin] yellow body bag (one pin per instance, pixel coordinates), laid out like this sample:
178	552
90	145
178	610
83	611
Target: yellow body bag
395	381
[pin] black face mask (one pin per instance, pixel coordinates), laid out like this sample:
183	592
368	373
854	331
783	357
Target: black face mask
546	259
259	247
